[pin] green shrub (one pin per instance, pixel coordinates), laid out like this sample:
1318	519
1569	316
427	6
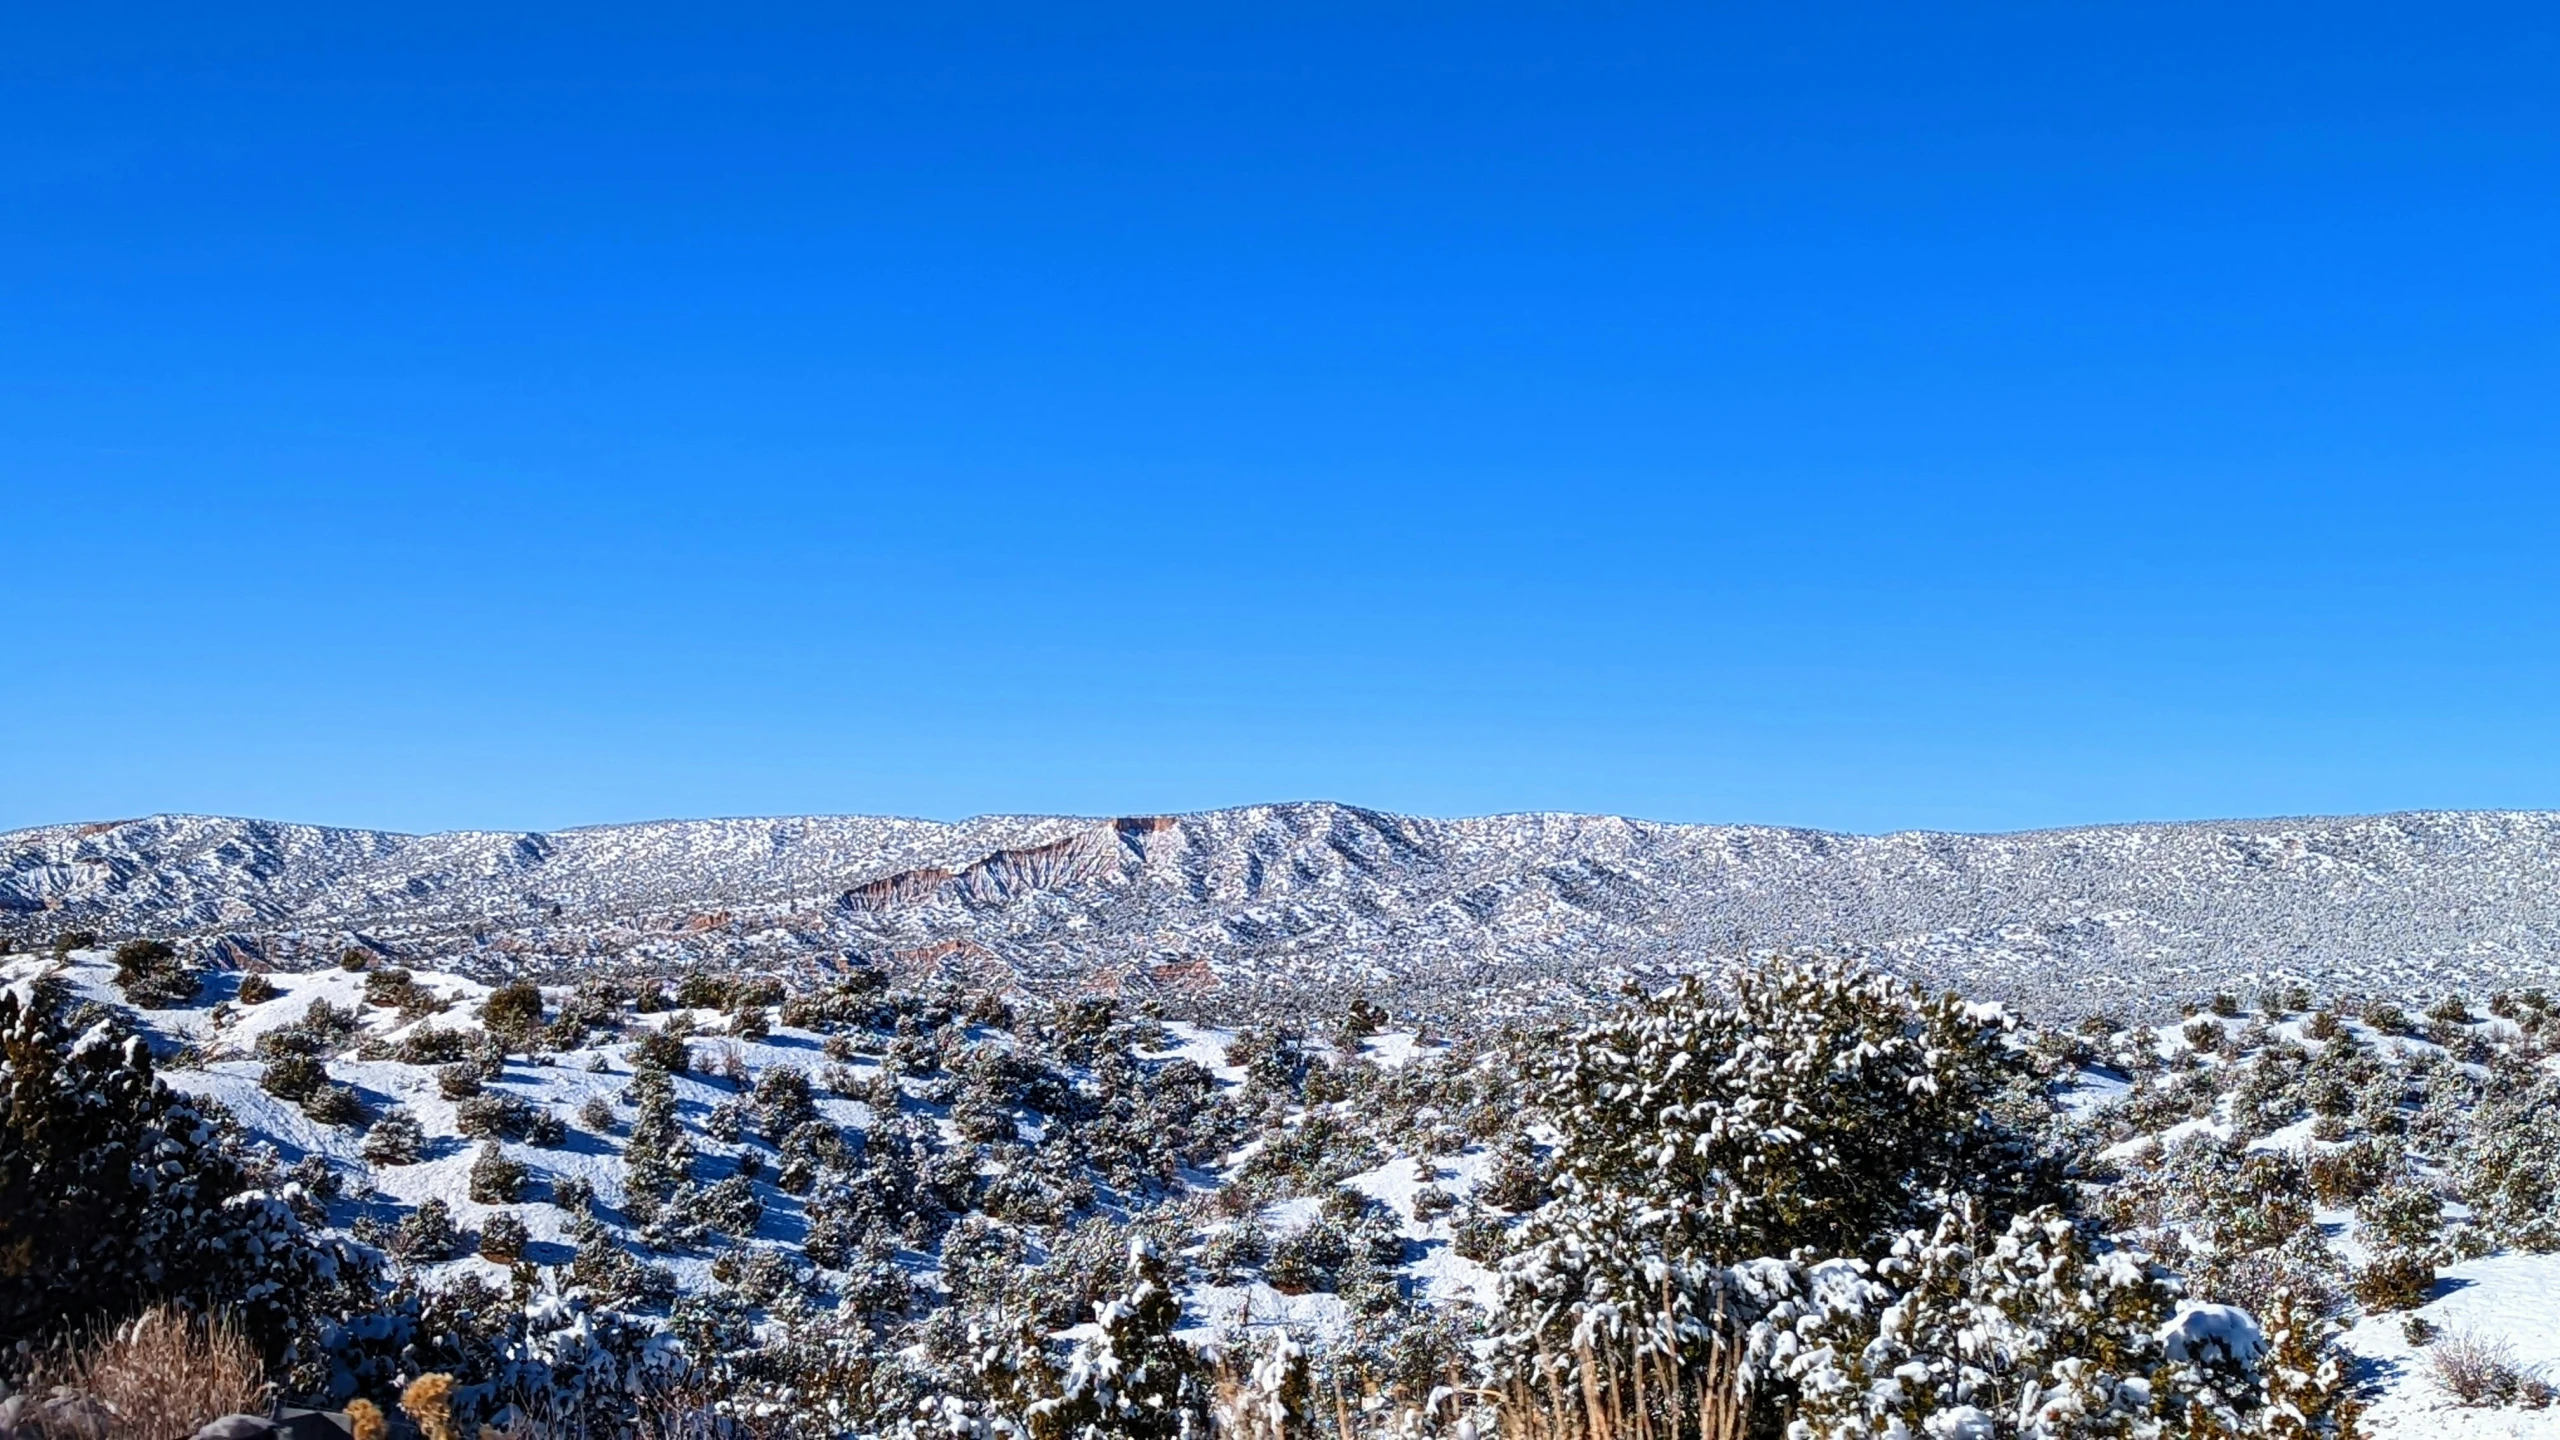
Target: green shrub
151	976
495	1179
503	1238
293	1077
112	1186
435	1045
395	1139
334	1105
513	1010
427	1234
2395	1280
658	1050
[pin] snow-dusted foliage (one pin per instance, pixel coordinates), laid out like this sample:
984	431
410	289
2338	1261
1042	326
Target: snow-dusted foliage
113	1188
1807	1195
2510	1164
2032	1330
1813	1106
1820	1103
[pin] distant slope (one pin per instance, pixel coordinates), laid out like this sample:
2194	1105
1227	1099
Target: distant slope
1235	906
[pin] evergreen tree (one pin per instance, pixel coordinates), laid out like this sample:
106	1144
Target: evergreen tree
659	1156
1822	1105
1128	1374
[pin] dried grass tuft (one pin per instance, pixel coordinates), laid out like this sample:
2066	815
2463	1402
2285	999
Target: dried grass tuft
159	1376
2478	1369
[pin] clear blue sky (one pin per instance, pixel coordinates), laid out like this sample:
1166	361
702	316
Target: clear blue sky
1866	417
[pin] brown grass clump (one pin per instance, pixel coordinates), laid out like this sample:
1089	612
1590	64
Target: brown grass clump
2476	1369
429	1401
159	1376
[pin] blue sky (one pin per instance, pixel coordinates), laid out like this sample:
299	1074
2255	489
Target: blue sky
1858	416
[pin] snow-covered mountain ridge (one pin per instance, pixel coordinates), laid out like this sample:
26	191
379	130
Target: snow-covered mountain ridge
1330	898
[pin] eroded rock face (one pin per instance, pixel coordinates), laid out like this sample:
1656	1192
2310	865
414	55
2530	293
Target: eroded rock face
1323	900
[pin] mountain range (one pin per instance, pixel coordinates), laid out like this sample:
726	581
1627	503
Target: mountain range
1244	908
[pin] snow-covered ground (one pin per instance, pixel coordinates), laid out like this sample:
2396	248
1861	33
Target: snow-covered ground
2508	1299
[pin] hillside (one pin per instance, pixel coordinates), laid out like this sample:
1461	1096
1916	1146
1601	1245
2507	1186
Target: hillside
823	1206
1227	906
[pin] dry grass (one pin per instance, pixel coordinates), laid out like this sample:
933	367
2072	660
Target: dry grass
2480	1369
159	1376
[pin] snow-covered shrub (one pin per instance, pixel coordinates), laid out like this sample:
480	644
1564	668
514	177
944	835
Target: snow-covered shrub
490	1115
658	1156
256	989
1479	1236
604	1268
292	1077
661	1050
2236	1222
514	1010
726	1122
1233	1253
1127	1376
436	1045
730	1207
427	1234
1269	1397
322	1029
2354	1170
152	976
674	1223
502	1238
495	1179
334	1105
1820	1104
2394	1280
2027	1329
2508	1163
783	1102
2401	1214
113	1187
395	1139
459	1080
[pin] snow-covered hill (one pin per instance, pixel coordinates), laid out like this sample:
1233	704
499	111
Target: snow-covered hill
1433	915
